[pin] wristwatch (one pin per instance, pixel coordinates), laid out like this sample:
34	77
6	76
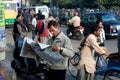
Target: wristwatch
61	50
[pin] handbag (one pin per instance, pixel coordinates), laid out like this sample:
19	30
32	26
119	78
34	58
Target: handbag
72	63
75	59
101	63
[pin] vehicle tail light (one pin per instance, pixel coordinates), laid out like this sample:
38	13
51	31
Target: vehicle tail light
81	27
110	28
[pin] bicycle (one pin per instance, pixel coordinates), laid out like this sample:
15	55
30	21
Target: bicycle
113	69
111	72
73	62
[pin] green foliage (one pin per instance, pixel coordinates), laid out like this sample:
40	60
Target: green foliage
88	3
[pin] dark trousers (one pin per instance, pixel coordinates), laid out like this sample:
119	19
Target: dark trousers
56	74
33	34
15	38
71	29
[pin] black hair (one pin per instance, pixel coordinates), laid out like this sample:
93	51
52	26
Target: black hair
18	16
39	11
98	21
94	28
42	16
52	23
35	15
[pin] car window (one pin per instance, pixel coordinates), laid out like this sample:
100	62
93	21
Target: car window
85	18
108	18
92	18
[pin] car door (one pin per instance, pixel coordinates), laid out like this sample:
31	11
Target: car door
88	21
92	20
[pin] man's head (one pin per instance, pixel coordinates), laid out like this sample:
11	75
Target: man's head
35	16
39	11
19	17
53	27
96	30
99	23
75	13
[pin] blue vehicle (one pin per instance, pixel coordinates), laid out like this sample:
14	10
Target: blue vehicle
113	69
110	23
111	72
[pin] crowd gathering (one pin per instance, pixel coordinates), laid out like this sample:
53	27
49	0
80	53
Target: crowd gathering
47	31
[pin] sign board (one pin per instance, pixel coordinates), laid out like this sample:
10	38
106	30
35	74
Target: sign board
2	21
2	31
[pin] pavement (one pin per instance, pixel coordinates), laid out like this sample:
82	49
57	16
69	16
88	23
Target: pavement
5	65
10	74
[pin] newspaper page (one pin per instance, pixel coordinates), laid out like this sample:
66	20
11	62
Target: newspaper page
27	50
31	49
48	55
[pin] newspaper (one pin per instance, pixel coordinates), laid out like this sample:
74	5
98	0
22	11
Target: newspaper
31	49
27	50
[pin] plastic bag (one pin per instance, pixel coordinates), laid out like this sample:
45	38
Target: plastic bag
101	63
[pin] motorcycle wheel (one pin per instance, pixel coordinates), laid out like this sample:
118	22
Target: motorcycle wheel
79	35
69	34
14	66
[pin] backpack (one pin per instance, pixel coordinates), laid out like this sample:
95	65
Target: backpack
39	27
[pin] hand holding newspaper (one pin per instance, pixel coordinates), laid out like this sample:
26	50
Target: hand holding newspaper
31	49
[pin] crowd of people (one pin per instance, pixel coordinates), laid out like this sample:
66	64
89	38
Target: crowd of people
43	28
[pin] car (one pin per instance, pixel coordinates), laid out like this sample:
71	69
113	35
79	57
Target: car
110	23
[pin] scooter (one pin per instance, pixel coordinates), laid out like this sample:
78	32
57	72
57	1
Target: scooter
29	67
77	32
33	69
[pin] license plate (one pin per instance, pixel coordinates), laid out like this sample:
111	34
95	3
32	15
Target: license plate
114	30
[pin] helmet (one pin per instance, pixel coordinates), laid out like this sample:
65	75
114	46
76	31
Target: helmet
75	13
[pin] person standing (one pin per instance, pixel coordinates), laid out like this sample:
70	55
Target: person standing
39	15
26	16
102	33
62	44
31	14
41	30
17	30
87	64
34	22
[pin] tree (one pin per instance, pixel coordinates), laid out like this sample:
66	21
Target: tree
61	3
101	4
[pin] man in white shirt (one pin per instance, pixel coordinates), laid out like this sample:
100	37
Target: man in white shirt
102	33
34	22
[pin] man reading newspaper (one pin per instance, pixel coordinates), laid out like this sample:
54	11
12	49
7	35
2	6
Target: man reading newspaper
57	52
61	45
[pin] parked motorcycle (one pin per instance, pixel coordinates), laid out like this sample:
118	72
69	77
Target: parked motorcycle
77	32
33	69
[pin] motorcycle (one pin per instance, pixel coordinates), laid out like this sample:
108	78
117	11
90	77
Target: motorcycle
29	67
77	33
32	69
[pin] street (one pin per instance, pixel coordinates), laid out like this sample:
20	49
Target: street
9	73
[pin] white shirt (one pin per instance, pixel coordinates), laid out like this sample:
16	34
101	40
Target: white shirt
102	35
34	22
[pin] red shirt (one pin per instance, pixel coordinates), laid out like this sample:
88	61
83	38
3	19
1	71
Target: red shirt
39	27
